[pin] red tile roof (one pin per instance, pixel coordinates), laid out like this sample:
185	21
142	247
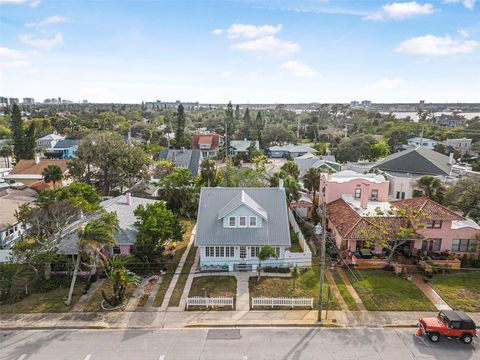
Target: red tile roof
429	208
351	225
213	139
29	167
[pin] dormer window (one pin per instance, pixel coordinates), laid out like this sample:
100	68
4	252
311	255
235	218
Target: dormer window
242	221
232	221
253	221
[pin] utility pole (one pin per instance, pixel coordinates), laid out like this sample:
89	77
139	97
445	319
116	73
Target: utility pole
322	245
421	137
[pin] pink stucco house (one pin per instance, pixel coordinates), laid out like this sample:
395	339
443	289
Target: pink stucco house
349	218
349	182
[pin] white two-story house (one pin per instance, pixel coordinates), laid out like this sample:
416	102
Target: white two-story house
234	223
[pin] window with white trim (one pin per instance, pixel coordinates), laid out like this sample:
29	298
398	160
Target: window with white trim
277	251
209	251
242	221
374	195
254	251
232	221
229	251
253	221
358	193
219	251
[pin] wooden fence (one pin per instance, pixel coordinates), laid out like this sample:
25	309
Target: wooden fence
209	301
282	301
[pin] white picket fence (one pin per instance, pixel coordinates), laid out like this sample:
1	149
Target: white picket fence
282	301
209	301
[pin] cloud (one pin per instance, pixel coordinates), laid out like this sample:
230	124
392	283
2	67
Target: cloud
42	43
389	83
51	20
252	31
464	33
401	10
32	3
431	45
258	38
11	58
268	44
299	69
469	4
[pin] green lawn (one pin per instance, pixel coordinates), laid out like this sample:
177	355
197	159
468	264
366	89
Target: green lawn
352	305
384	291
182	279
43	302
460	290
308	285
213	286
172	264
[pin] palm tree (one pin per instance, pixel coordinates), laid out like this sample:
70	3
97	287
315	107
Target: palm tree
92	239
52	173
311	180
266	252
6	152
120	277
432	188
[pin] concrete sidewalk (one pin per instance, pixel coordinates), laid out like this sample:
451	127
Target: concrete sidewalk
175	319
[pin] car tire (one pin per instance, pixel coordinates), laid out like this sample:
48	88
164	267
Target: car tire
467	339
434	337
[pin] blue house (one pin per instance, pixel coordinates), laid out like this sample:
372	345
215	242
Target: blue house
67	149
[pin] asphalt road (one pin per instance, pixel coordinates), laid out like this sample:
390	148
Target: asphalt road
225	344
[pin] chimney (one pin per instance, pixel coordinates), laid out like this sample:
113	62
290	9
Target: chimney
128	198
280	184
364	195
450	159
37	159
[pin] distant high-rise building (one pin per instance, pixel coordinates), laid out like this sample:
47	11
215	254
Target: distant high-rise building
366	103
85	101
12	101
28	101
3	102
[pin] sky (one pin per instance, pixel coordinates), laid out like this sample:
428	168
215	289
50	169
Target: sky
263	51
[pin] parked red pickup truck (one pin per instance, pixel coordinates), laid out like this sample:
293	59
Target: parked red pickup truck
449	323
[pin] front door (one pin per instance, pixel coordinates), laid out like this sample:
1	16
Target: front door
243	252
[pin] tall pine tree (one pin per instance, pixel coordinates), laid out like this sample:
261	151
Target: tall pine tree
29	142
229	128
237	114
18	135
180	130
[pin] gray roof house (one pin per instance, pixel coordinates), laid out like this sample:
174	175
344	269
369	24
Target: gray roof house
124	206
183	158
323	162
241	146
234	223
289	150
417	161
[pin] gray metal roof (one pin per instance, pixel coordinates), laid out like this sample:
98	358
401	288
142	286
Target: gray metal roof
66	144
128	232
243	145
186	158
416	161
210	230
